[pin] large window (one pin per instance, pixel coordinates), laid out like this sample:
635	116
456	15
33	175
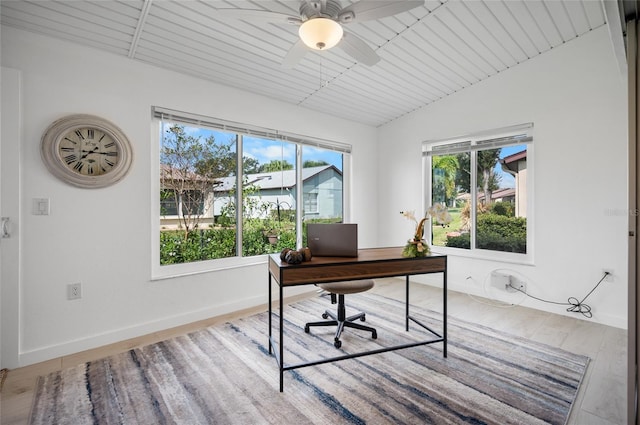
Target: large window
229	191
482	179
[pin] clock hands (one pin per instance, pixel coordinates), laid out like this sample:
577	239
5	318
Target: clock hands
99	153
88	152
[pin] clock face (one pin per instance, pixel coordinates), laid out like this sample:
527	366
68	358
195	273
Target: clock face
86	151
89	151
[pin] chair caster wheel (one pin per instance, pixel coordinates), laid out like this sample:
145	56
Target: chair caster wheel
363	318
325	316
306	329
374	335
337	343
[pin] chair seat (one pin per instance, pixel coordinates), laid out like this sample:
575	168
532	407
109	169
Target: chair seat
348	287
340	318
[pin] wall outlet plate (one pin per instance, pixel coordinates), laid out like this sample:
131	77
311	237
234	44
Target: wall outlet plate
74	291
516	286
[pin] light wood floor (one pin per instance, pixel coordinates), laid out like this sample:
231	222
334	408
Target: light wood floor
601	399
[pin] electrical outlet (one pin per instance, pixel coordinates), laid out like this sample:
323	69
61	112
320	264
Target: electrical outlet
609	277
500	280
74	291
516	286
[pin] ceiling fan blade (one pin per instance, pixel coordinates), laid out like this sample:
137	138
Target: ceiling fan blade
295	54
368	10
358	49
260	15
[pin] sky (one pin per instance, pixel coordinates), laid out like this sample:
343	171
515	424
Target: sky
265	150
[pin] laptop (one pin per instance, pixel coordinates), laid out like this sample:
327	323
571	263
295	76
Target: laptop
332	240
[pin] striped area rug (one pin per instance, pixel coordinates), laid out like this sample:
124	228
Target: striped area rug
224	375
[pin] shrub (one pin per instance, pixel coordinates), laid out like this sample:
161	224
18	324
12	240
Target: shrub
220	242
503	208
462	241
500	233
497	233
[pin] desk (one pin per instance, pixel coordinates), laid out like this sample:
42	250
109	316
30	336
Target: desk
370	264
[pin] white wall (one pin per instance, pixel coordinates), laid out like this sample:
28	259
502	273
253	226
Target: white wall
101	238
576	99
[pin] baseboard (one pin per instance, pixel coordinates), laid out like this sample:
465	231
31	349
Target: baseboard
68	348
603	319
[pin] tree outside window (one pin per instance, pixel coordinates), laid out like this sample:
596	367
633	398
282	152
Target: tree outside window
485	190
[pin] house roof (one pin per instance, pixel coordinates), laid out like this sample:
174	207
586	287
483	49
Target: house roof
496	194
515	157
510	162
275	179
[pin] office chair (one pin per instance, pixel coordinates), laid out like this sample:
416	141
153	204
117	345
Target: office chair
340	320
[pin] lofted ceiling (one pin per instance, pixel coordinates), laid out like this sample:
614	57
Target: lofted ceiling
426	53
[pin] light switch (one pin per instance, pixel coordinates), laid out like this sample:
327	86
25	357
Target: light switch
40	206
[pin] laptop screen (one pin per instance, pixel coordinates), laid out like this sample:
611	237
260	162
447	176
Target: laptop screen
332	239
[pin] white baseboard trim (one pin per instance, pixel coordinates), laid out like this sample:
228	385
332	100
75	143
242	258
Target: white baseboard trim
67	348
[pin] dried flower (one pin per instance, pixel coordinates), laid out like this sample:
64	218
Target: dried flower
417	246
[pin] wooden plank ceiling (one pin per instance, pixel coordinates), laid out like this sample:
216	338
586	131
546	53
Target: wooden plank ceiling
427	53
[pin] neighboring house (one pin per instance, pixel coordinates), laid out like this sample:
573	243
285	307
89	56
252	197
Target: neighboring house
516	165
506	194
322	194
192	199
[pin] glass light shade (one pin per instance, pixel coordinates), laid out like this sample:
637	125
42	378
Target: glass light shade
320	33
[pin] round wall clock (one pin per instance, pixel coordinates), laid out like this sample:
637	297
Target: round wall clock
86	151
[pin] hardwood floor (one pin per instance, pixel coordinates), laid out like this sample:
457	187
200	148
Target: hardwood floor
600	401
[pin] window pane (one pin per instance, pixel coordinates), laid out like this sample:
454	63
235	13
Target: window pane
269	187
197	169
322	188
451	183
501	223
201	198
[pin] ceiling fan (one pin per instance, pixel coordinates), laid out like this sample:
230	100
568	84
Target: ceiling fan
320	25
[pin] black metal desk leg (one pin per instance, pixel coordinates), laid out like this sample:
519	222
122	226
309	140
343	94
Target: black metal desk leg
407	305
269	341
444	313
281	345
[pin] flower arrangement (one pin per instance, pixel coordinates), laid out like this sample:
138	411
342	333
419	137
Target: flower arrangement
417	246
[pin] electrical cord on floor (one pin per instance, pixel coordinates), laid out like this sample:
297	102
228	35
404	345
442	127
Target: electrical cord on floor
575	305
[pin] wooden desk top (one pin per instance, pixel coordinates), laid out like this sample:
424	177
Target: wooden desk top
370	263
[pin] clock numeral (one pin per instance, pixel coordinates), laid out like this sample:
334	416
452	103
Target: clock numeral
90	133
67	149
111	153
90	169
110	145
78	166
100	139
79	134
70	159
109	163
72	141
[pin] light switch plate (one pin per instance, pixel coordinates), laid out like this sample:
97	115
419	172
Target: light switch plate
40	206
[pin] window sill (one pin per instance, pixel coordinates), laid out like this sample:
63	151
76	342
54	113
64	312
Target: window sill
485	255
201	267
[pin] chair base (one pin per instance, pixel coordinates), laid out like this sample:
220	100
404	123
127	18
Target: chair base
342	322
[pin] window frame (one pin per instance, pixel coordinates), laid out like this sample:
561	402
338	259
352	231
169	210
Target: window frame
500	137
160	272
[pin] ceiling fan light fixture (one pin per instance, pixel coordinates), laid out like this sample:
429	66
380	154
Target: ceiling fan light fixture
320	33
